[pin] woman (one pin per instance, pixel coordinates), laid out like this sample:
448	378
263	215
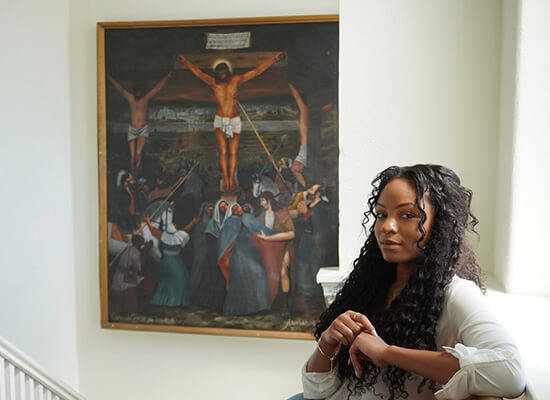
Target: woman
211	288
173	287
411	319
247	285
198	242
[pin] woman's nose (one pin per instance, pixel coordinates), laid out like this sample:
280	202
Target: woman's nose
390	225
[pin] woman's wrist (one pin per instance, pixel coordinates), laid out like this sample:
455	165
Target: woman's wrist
328	346
390	354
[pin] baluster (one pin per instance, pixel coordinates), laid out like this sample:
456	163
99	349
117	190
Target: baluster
3	380
40	391
11	378
30	387
21	385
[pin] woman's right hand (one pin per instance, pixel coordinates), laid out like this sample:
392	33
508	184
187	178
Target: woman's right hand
345	328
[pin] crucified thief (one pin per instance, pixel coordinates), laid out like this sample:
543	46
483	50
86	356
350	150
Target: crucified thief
138	129
227	121
301	159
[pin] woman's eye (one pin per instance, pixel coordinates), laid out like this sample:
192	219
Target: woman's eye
379	215
409	216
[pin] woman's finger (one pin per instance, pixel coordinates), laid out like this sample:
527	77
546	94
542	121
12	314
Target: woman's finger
352	324
354	353
345	331
340	338
347	318
365	324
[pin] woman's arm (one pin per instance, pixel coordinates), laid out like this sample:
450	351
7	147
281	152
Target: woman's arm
434	365
490	363
318	378
343	331
154	231
484	360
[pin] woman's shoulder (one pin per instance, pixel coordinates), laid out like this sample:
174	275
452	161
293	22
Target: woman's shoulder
459	285
462	296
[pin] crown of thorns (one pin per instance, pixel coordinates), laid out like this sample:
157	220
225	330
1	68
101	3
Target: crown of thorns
219	62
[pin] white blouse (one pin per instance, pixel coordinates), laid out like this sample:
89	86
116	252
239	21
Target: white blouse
490	363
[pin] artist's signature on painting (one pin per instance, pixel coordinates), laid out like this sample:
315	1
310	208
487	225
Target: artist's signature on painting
299	323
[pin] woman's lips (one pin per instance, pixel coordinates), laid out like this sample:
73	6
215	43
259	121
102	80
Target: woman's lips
388	244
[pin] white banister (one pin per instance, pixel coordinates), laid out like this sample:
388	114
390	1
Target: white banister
23	379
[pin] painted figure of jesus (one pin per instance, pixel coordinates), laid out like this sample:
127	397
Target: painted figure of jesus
227	121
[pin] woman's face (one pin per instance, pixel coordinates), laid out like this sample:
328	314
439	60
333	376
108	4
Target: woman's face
223	207
210	211
396	227
236	210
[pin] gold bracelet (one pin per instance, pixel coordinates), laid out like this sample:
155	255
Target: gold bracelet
331	359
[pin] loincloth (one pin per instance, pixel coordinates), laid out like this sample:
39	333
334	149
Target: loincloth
302	156
228	126
134	133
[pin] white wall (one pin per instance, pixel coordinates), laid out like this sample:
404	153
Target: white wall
530	179
37	299
419	84
507	128
122	364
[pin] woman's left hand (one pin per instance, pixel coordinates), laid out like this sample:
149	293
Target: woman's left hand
367	347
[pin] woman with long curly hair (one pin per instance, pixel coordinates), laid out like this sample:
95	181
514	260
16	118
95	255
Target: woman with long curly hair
411	320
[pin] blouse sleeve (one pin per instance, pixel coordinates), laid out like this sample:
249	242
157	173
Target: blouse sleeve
489	361
320	385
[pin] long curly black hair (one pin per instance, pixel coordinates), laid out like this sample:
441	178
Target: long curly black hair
411	319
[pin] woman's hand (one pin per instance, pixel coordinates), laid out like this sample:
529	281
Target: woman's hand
368	347
346	327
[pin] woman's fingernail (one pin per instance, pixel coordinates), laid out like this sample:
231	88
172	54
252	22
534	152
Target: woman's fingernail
374	332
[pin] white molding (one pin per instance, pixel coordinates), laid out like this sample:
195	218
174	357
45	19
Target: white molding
24	363
331	279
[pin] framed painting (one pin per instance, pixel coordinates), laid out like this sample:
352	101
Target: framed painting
218	173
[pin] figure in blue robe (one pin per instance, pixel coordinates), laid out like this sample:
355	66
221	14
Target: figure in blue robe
247	285
211	287
198	243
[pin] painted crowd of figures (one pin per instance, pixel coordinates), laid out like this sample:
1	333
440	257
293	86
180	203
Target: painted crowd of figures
228	259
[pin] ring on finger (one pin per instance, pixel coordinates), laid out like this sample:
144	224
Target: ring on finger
355	316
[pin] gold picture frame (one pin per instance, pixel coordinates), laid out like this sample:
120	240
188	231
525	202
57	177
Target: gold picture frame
146	38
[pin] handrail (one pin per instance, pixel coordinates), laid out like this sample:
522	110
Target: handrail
30	368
